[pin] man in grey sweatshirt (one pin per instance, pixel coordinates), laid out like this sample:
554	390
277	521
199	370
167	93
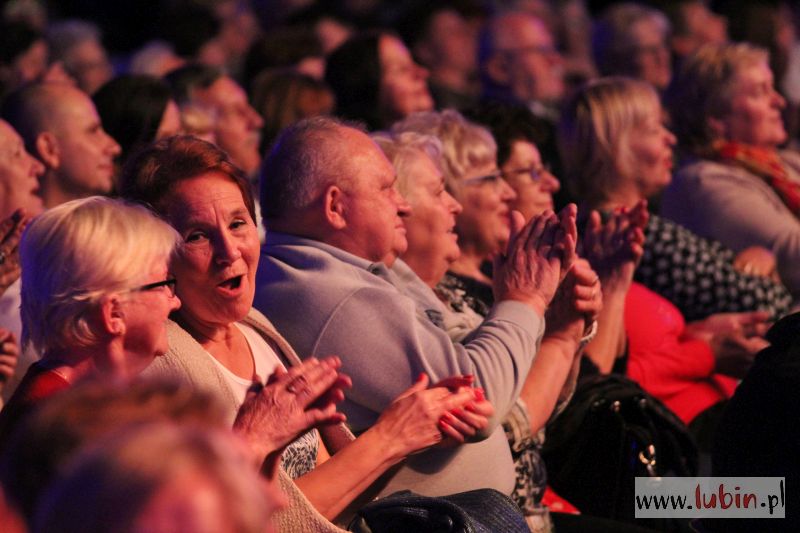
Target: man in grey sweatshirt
332	214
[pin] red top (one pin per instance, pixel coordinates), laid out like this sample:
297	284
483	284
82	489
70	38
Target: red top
678	372
37	384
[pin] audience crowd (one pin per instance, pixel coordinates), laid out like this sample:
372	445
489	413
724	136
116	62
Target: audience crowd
312	266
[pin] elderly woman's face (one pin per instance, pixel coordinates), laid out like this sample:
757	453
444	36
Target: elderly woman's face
432	242
754	116
485	222
146	309
651	57
530	179
216	265
19	175
403	86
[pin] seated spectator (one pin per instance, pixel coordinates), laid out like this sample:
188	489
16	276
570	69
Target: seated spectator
24	58
630	161
734	184
159	477
283	97
220	343
431	248
235	124
95	297
155	58
442	40
78	45
61	128
619	153
19	201
136	110
631	40
693	25
376	81
334	216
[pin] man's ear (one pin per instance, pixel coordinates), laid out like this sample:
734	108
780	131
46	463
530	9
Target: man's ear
335	207
48	149
111	315
498	68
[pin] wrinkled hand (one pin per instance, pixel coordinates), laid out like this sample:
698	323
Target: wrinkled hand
755	261
290	404
9	356
460	424
10	234
615	247
576	305
540	253
413	421
735	339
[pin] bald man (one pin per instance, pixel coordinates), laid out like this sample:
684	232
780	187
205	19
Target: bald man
61	127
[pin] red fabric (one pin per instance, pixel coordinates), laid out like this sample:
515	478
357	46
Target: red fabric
764	162
37	384
556	503
678	372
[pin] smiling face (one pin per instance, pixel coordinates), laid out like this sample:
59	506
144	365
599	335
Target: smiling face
403	86
484	224
532	182
86	153
432	244
217	262
146	312
754	115
372	208
19	175
650	150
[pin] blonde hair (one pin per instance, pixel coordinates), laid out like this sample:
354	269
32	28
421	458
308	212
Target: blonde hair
594	132
403	148
465	144
703	88
75	253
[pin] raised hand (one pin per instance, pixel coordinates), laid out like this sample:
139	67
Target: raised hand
576	305
615	247
539	255
9	356
290	404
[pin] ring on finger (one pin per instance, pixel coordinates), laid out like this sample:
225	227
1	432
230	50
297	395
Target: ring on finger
297	385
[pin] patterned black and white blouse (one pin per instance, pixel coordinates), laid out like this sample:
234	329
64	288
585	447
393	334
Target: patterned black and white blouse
697	275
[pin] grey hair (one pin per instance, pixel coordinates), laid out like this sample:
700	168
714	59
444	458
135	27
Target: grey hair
75	253
402	148
465	144
63	36
304	160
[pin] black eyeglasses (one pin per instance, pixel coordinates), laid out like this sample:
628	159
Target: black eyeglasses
168	283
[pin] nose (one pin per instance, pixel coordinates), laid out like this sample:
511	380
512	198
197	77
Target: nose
111	145
37	168
254	118
174	303
403	207
455	206
549	182
226	250
778	100
507	193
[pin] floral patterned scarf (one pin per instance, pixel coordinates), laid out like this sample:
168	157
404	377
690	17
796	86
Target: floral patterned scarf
764	162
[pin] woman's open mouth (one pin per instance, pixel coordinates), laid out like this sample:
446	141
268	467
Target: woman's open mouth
231	286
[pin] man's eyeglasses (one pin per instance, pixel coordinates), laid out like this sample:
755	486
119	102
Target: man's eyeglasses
168	283
536	173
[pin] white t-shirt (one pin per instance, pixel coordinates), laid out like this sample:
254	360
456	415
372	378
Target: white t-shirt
264	358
